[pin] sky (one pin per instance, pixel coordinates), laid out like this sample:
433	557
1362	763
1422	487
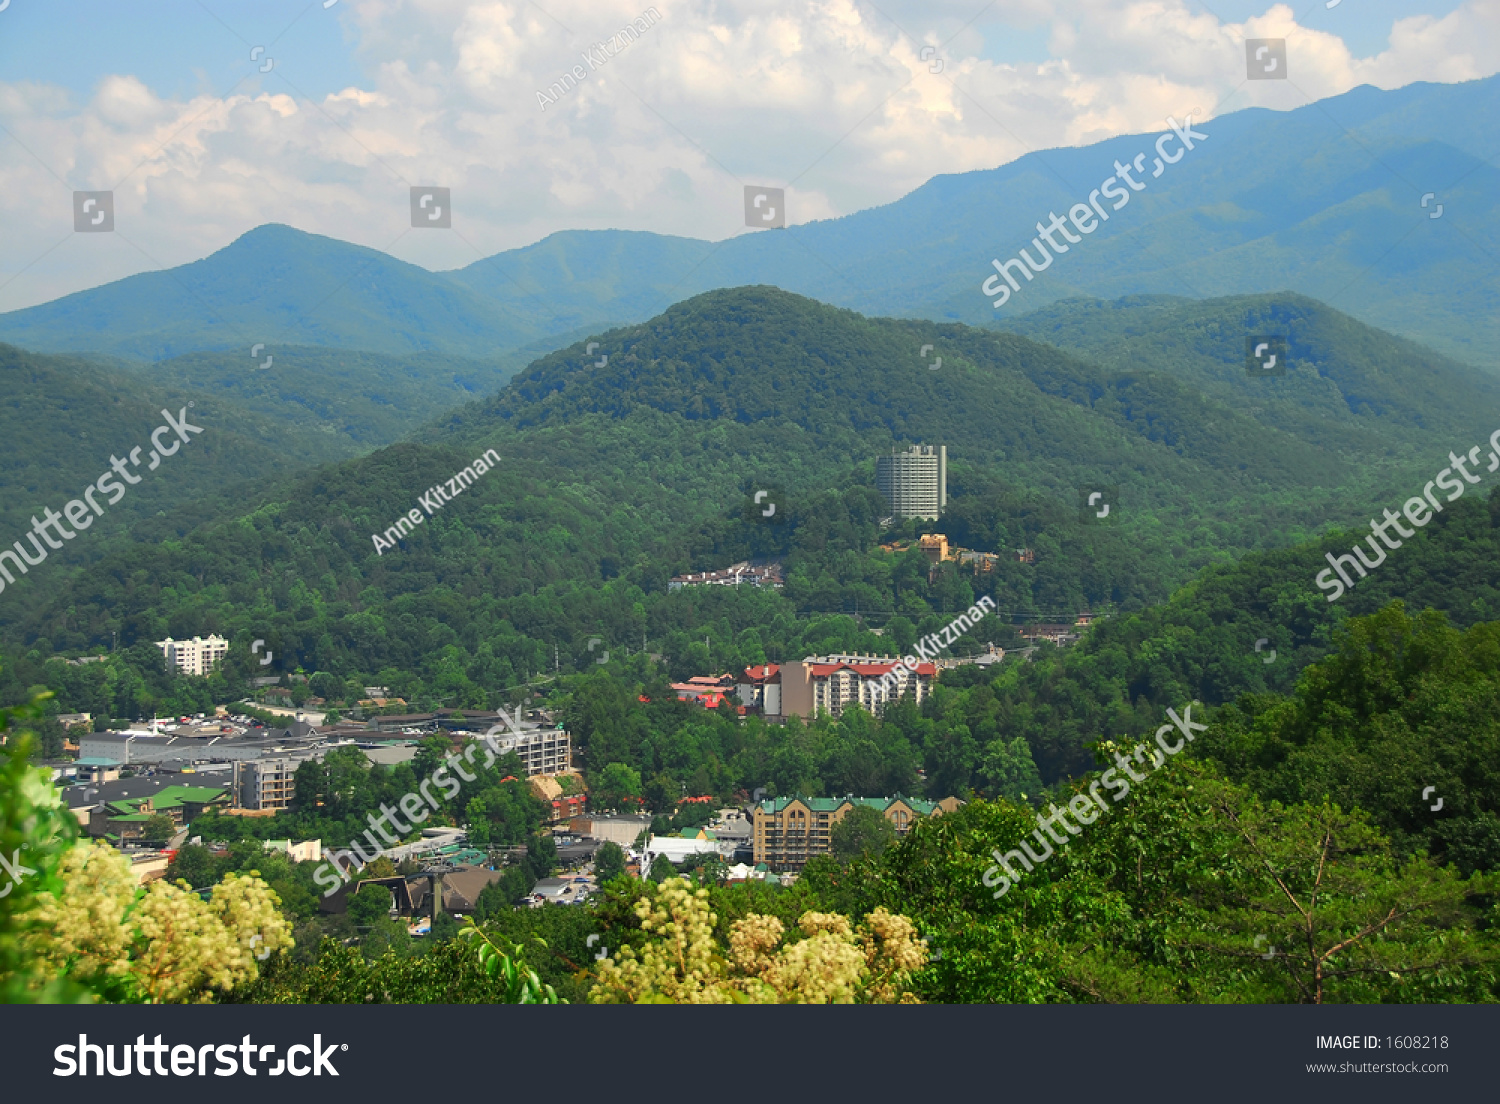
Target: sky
207	118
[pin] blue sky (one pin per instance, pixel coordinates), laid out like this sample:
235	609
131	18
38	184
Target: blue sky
179	47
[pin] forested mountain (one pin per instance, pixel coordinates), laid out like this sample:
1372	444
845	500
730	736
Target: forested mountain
278	286
64	419
67	416
1244	211
334	402
612	478
1338	372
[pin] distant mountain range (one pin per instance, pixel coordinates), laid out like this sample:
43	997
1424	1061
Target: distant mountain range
1326	201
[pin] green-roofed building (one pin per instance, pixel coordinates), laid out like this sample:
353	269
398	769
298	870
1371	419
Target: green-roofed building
127	817
791	830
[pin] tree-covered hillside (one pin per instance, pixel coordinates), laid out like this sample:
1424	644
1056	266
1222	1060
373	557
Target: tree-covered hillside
614	477
281	286
339	402
1339	373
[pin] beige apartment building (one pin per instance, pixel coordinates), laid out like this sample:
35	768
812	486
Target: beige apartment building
790	830
268	783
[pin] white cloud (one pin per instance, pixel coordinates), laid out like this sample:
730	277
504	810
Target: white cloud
832	99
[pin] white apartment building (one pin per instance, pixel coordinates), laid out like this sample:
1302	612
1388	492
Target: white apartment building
195	656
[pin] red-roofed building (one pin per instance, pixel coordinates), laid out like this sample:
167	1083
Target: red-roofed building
760	688
826	684
707	690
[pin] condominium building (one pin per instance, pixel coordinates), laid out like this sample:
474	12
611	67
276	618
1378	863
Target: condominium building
195	656
541	750
790	830
826	684
914	482
267	783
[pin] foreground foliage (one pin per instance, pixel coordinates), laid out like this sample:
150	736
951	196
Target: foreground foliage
833	962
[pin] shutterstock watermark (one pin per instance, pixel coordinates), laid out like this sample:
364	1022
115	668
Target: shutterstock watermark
597	56
434	500
1086	807
415	807
1418	510
14	872
190	1061
81	512
1086	217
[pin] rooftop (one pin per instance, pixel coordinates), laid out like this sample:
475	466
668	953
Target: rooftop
868	669
829	804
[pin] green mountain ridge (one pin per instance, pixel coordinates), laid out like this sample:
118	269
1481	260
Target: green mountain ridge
614	477
347	400
279	286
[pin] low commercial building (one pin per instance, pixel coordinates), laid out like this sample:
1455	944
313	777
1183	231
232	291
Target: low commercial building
622	830
132	747
709	691
148	866
305	851
679	849
565	796
1060	634
743	573
791	830
125	819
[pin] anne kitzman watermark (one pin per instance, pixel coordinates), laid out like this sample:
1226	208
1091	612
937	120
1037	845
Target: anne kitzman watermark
597	56
1086	807
1418	510
434	500
961	624
80	513
1082	215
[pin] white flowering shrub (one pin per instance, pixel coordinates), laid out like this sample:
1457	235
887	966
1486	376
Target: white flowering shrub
159	944
833	962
